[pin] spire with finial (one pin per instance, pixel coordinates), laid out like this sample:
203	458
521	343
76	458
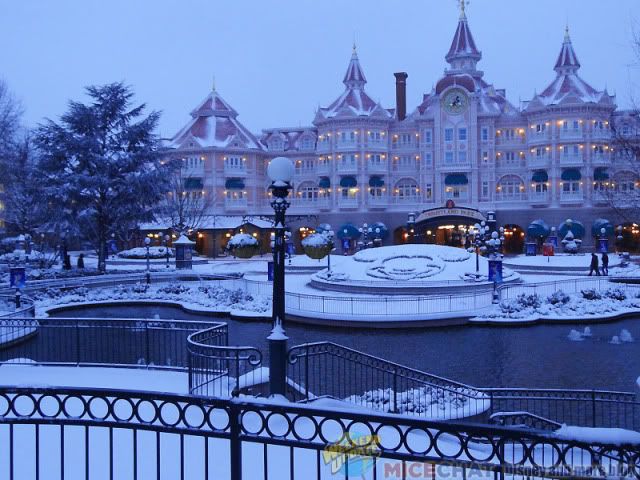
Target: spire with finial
463	54
213	83
567	60
354	78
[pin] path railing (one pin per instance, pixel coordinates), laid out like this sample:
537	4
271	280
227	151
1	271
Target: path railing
328	370
128	434
569	285
219	370
107	342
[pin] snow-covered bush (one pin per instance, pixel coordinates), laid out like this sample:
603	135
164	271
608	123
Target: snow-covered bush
558	297
531	300
570	243
174	289
616	294
243	245
141	253
510	306
590	294
317	245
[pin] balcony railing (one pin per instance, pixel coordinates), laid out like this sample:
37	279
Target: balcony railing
234	169
235	203
318	202
323	167
600	159
510	197
601	133
348	202
539	197
570	134
378	200
536	161
405	166
571	160
347	166
571	196
406	199
377	167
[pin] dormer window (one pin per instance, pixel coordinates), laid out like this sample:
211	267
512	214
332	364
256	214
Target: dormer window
307	143
276	144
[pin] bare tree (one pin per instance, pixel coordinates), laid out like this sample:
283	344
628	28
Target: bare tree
623	192
187	204
10	116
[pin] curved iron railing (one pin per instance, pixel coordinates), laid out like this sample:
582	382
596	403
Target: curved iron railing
219	370
109	342
326	369
152	435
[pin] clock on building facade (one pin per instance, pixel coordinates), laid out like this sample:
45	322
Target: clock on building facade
455	101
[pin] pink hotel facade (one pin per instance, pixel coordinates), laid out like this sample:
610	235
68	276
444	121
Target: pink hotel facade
358	162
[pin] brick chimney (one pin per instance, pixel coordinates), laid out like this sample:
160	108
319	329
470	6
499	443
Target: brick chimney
401	95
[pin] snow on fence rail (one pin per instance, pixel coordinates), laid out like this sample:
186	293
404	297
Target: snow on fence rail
570	285
127	434
372	306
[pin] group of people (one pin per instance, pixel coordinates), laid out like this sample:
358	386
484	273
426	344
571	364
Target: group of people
595	264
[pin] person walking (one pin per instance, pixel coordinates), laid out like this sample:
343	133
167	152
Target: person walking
605	263
594	265
80	263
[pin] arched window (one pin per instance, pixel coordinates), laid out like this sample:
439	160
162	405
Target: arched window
276	144
307	192
625	182
510	187
406	190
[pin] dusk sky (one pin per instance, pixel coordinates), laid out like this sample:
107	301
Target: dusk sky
276	61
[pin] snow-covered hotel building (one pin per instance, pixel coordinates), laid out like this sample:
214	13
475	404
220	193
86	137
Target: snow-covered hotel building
359	161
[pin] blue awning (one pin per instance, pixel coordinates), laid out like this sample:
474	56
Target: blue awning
456	179
540	176
379	230
600	223
348	182
538	229
376	181
600	174
571	175
348	230
234	184
193	184
324	182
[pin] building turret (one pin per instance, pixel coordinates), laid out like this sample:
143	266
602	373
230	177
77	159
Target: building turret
463	54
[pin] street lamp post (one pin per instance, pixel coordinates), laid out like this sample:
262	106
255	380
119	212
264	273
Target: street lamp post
411	227
147	241
280	171
166	246
66	261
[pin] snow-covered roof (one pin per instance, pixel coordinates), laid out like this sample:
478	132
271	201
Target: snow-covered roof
214	222
568	87
463	44
214	124
290	136
354	101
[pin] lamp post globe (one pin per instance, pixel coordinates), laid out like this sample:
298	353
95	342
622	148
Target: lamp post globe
147	242
280	171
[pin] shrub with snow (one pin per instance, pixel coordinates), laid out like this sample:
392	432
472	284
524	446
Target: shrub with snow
531	300
590	294
243	245
317	245
139	253
558	297
616	294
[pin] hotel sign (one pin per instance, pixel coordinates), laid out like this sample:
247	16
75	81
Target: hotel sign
450	212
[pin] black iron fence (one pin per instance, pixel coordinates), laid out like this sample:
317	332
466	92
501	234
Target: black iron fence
218	370
83	433
328	370
115	342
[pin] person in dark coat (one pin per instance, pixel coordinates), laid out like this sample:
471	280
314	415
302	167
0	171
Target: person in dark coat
594	265
80	263
605	263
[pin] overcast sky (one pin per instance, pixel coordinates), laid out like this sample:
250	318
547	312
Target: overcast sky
275	61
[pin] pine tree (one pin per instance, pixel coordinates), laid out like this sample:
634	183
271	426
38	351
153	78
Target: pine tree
101	164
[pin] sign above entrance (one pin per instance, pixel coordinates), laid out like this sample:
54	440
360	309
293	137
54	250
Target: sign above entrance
450	211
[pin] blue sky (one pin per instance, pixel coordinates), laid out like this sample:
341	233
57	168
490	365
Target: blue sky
275	61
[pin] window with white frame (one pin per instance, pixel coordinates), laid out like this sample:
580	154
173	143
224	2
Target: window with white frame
276	143
462	134
234	162
307	142
510	158
448	158
348	160
406	188
448	134
485	134
308	192
510	186
376	159
428	136
428	191
428	158
456	192
462	156
485	189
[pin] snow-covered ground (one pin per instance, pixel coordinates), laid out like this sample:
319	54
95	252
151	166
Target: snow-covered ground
579	260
